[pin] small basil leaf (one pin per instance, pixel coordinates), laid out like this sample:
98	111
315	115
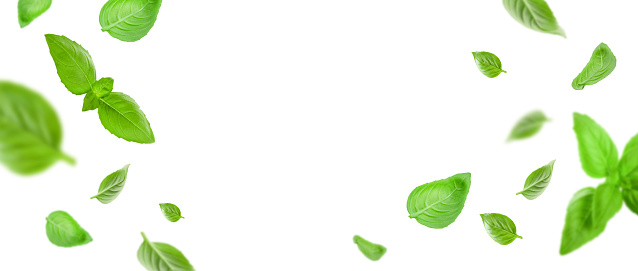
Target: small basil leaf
103	87
600	65
129	20
607	202
91	102
29	10
535	15
538	181
171	212
30	131
630	195
628	165
579	223
156	256
112	186
528	125
488	64
598	153
371	250
500	228
73	63
121	116
437	204
64	231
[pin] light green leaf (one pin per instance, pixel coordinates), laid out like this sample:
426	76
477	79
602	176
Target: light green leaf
538	181
600	65
528	125
607	202
29	10
371	250
535	15
91	102
73	63
488	64
630	195
156	256
171	212
103	87
112	186
121	116
437	204
598	153
30	131
500	228
129	20
628	165
64	231
579	223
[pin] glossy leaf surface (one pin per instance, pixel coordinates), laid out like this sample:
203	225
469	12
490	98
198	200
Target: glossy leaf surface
121	116
73	63
171	212
129	20
600	65
537	182
437	204
63	231
488	64
112	186
500	228
156	256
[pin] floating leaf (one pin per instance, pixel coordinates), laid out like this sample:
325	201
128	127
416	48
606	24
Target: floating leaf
500	228
437	204
112	186
538	181
171	212
156	256
121	116
371	250
534	14
73	63
64	231
600	65
129	20
579	223
528	125
598	153
488	64
29	10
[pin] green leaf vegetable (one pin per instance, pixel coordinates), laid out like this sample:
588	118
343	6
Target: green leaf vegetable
500	228
112	186
538	181
64	231
628	171
528	125
579	223
129	20
29	10
600	65
371	250
598	153
156	256
118	112
607	202
437	204
171	212
30	131
535	15
488	64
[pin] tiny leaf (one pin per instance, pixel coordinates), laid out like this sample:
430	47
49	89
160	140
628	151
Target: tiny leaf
488	64
91	102
600	65
371	250
74	64
112	186
121	116
535	15
171	212
500	228
437	204
103	87
156	256
528	125
129	20
598	153
64	231
538	181
29	10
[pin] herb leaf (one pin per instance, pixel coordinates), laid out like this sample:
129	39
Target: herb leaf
488	64
598	153
579	223
74	64
628	165
607	202
538	181
91	102
171	212
29	10
129	20
30	131
103	87
600	65
156	256
630	195
528	125
500	228
437	204
371	250
112	186
121	116
535	15
64	231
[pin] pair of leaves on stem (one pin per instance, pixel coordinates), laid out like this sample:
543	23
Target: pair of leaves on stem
63	231
156	256
371	250
600	65
29	10
534	14
118	112
129	20
500	228
488	64
528	125
437	204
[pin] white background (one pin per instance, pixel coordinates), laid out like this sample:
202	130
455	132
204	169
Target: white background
286	127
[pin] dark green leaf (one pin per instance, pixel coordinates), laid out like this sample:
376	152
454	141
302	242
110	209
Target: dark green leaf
371	250
598	153
600	65
156	256
112	186
129	20
437	204
534	14
528	125
488	64
171	212
73	63
538	181
29	10
64	231
121	116
579	223
500	228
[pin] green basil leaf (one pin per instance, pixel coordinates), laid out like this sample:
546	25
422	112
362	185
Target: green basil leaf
535	15
628	165
112	186
29	10
488	64
64	231
630	195
600	65
121	116
171	212
91	102
129	20
607	202
73	63
30	131
156	256
103	87
500	228
371	250
437	204
538	181
579	223
528	125
598	153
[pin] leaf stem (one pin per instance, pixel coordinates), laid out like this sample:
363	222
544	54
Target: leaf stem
67	158
520	237
144	236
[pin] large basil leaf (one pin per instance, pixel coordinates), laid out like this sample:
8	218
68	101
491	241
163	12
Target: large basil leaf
598	153
73	63
628	165
129	20
437	204
600	65
579	222
607	202
64	231
488	64
171	212
538	181
29	10
112	186
121	116
528	125
534	14
500	228
156	256
30	131
371	250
